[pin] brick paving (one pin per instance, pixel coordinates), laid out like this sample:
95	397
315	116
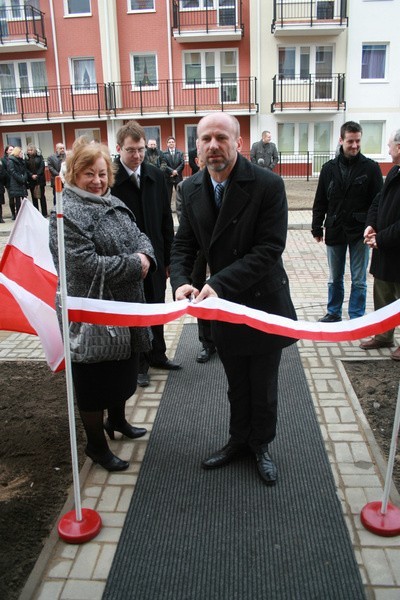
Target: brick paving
69	572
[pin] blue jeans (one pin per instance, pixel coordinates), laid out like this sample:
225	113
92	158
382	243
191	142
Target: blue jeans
359	255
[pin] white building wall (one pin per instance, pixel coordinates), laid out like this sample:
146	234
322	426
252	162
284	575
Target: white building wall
374	21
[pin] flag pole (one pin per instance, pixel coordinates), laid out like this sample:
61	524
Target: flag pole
79	525
383	518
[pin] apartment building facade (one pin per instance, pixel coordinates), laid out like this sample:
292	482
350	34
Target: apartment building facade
299	69
85	67
322	63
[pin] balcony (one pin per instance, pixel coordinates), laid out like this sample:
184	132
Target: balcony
21	29
315	17
207	20
128	101
315	93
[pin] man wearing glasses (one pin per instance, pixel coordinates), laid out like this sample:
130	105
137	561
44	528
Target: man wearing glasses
141	186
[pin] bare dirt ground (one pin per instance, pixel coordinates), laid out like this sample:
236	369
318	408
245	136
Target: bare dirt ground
35	458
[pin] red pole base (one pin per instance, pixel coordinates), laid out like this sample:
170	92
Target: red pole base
387	524
77	532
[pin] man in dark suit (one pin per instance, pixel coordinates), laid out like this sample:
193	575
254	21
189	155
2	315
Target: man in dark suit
236	214
141	186
172	163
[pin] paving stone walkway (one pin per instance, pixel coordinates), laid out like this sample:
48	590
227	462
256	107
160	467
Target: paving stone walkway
69	572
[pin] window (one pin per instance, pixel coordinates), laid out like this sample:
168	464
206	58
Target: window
191	136
43	140
298	137
206	67
153	133
77	7
144	70
29	77
140	5
83	74
287	63
93	135
201	4
373	64
371	142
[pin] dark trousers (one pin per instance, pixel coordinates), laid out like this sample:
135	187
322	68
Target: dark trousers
253	397
157	352
42	200
15	205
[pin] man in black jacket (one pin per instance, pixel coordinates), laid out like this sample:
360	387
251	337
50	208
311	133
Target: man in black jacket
382	234
54	165
141	186
172	163
236	214
346	188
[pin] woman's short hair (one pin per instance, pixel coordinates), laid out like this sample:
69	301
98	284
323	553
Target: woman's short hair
83	156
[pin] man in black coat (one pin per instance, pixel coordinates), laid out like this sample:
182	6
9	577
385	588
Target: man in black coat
141	186
241	228
382	234
54	165
172	163
346	188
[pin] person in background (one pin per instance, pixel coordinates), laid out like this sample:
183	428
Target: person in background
193	162
236	214
142	188
346	188
265	153
199	275
382	234
4	161
98	225
18	180
36	178
54	165
152	154
172	163
3	181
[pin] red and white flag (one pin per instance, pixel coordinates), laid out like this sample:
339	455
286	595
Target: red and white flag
28	283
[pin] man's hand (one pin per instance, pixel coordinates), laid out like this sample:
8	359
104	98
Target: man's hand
206	292
186	291
319	238
370	237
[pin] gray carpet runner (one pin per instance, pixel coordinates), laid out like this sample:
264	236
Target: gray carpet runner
192	534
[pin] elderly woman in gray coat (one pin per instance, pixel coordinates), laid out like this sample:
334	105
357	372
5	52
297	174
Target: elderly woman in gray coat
99	228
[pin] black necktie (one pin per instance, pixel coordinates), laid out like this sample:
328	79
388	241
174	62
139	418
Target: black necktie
219	192
135	179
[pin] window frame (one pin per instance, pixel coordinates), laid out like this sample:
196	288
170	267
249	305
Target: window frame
136	86
68	14
139	11
217	52
364	125
375	79
93	87
31	87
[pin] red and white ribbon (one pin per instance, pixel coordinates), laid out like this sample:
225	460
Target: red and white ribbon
108	312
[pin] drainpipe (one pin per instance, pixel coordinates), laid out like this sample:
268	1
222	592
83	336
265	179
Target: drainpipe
53	29
171	85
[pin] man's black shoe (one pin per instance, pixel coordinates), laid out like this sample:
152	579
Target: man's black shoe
143	380
168	365
266	468
328	318
224	456
205	354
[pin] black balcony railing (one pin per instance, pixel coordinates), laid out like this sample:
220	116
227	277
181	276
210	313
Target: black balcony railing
309	14
312	92
21	24
128	100
192	15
